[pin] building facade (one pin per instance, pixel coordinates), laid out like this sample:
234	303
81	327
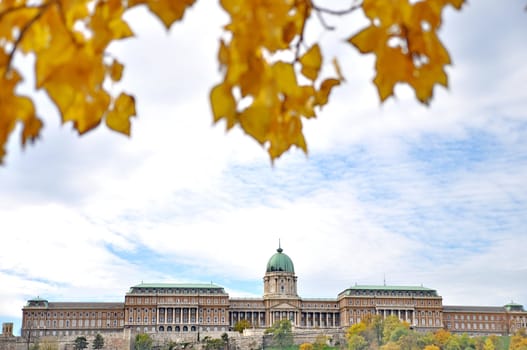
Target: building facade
176	308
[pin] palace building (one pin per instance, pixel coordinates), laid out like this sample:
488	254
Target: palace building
176	308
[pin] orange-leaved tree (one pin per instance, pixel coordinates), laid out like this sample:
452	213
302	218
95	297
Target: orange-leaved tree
266	95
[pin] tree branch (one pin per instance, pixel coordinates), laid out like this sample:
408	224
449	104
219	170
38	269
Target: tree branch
23	31
354	6
301	38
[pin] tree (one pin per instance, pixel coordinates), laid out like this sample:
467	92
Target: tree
489	344
391	346
305	346
49	345
431	347
143	342
271	81
225	338
214	344
241	325
320	342
442	337
80	343
409	341
398	333
357	342
453	344
282	333
518	341
391	323
98	342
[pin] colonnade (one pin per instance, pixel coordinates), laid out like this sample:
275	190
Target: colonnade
407	315
256	318
301	319
177	315
320	319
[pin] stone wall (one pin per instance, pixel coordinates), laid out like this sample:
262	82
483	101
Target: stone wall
124	340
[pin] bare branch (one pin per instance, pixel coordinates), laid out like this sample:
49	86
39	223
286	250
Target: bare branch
354	6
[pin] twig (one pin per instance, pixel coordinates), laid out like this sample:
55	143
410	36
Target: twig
23	31
352	8
307	5
323	21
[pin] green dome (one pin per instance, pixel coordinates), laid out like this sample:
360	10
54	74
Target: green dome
280	262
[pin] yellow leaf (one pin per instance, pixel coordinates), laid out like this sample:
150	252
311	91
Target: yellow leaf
36	38
169	11
370	39
285	77
116	71
392	67
311	62
223	54
456	3
223	104
255	121
427	12
118	118
325	89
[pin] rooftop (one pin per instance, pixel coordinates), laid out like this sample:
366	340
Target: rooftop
178	285
460	308
357	289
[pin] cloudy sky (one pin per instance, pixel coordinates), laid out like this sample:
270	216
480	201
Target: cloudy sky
434	196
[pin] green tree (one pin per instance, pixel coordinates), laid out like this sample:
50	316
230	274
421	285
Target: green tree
143	342
98	342
49	345
466	342
398	333
282	333
34	346
357	342
410	341
225	338
391	323
320	342
241	325
214	343
80	343
391	346
453	343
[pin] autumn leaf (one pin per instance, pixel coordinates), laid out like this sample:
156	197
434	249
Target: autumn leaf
418	57
311	62
118	118
168	11
272	78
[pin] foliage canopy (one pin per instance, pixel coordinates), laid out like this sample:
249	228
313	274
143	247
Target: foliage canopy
80	343
271	76
282	333
143	342
98	342
241	325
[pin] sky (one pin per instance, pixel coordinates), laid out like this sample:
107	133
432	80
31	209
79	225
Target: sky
398	193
